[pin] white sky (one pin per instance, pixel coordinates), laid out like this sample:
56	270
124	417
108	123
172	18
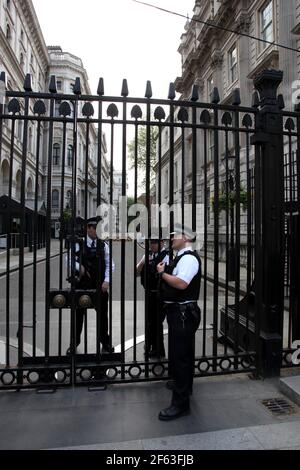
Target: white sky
119	39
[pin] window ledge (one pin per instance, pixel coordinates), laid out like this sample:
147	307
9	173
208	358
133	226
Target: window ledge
230	89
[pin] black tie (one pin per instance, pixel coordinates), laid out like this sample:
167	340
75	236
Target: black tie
93	244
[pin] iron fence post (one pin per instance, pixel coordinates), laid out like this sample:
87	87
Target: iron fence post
269	223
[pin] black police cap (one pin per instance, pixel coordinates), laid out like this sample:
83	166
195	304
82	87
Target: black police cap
93	221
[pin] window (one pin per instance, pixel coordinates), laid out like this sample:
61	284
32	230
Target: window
56	154
8	4
55	199
56	108
176	176
211	146
208	202
69	199
22	35
232	59
22	61
20	130
217	5
59	85
70	155
8	33
266	23
166	183
30	140
210	87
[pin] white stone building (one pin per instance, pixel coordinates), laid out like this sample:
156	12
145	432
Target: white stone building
66	67
23	50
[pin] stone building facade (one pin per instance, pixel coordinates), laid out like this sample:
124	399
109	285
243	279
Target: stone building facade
214	57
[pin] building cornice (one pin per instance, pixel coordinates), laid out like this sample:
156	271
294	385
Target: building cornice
69	66
217	59
7	51
242	22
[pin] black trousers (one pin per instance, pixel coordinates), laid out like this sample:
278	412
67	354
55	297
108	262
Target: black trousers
81	312
155	325
183	323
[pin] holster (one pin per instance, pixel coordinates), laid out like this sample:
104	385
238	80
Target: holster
191	307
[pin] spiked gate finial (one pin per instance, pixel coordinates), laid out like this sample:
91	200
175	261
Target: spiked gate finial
27	83
100	89
124	91
52	84
148	93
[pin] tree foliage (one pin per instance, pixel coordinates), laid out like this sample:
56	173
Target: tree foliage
142	155
232	199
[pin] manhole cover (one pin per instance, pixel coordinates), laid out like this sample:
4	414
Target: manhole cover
279	406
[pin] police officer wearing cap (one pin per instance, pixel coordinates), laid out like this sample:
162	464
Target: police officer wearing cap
87	271
180	291
158	253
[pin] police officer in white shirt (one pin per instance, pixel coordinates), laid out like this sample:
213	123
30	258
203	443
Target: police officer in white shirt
180	291
86	266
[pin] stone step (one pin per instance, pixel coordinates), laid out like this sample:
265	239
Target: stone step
290	386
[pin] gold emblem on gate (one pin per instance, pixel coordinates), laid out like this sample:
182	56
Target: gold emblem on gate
85	301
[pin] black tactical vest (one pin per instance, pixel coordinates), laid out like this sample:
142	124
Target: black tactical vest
152	271
192	292
91	262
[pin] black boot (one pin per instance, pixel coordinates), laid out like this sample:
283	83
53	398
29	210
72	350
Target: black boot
173	412
68	352
107	349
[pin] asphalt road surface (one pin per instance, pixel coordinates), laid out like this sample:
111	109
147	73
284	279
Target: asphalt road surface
204	339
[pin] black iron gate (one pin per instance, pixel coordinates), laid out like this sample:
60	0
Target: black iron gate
219	167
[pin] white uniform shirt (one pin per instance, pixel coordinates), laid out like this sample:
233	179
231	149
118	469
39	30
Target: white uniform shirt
89	242
186	269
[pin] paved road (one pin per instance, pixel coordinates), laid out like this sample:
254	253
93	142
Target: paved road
65	314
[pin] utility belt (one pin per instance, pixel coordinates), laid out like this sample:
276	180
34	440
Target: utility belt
190	309
183	308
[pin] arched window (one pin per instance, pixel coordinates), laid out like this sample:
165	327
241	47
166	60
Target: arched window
55	199
56	154
30	193
18	185
70	155
4	177
20	131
